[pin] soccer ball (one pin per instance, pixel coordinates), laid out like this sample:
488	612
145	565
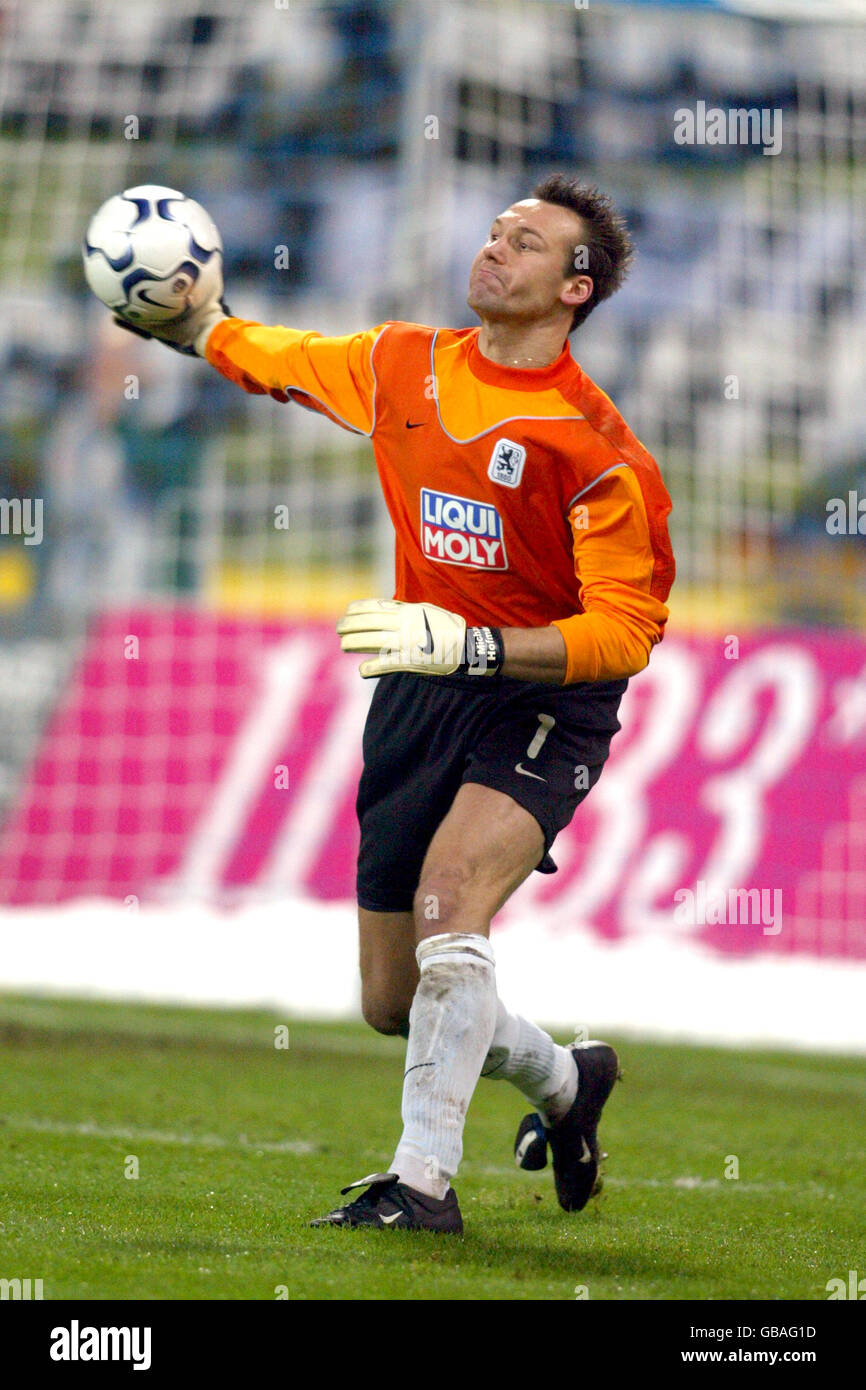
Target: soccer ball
150	253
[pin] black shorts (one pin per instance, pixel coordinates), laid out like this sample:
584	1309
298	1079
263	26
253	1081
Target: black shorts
543	745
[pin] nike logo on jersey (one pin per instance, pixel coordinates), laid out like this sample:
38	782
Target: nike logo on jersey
389	1220
518	767
415	425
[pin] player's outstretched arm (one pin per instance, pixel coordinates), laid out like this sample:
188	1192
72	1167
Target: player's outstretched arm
333	376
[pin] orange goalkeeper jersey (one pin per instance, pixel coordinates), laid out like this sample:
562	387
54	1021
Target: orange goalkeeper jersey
519	496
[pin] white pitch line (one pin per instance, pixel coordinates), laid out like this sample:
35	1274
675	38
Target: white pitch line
691	1184
87	1130
686	1183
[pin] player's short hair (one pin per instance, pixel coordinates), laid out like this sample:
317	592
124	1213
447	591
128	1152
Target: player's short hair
610	250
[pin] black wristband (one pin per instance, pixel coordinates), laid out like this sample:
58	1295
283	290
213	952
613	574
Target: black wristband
484	652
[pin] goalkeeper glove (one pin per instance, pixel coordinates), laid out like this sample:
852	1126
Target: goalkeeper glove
418	637
188	333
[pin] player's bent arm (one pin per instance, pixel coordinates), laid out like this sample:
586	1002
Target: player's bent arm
623	569
428	640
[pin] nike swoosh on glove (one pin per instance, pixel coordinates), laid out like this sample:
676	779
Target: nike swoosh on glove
418	637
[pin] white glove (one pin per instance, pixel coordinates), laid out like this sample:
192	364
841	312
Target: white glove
418	637
187	334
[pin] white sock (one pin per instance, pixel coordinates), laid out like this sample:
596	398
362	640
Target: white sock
527	1056
451	1026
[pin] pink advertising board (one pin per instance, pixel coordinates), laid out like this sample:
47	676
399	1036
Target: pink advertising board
215	758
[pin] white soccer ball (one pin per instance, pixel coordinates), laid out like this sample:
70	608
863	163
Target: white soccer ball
150	253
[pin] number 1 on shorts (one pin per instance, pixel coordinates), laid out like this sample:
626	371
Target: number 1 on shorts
545	724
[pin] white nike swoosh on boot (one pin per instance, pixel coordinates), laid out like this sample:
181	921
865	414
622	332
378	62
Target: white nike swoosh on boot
525	1144
387	1220
586	1156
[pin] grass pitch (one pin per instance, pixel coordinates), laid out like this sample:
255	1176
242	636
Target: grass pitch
237	1143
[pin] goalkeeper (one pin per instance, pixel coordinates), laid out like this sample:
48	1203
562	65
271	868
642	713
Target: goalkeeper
532	571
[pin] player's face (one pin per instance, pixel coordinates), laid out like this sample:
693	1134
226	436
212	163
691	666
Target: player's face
519	273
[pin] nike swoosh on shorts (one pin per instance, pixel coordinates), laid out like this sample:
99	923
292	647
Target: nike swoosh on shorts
526	773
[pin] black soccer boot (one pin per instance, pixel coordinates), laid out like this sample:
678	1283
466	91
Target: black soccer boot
573	1139
389	1202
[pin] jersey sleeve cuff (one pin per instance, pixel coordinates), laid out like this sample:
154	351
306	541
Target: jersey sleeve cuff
599	648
